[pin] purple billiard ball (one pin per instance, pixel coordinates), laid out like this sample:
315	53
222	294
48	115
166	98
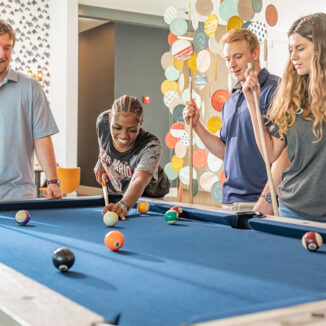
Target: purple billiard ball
22	217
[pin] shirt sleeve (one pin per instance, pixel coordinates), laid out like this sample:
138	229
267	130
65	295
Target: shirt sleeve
222	130
150	158
43	120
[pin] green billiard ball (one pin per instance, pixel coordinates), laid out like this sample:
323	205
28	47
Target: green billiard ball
171	216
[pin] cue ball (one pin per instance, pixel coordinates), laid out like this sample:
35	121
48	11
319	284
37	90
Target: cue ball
110	218
312	241
22	217
143	207
171	216
114	240
63	259
178	210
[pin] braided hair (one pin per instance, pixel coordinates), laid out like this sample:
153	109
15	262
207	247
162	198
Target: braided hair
126	104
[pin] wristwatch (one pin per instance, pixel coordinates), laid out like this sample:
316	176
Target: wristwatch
124	205
54	181
267	196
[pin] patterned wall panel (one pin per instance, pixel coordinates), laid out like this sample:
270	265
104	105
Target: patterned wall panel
31	22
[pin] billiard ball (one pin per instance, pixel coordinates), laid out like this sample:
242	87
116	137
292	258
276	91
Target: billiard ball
171	216
114	240
312	241
22	217
63	259
143	207
178	210
110	218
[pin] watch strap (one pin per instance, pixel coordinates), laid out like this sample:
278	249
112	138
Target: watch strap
53	181
267	196
124	204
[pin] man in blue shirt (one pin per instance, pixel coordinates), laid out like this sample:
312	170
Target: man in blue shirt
26	124
244	166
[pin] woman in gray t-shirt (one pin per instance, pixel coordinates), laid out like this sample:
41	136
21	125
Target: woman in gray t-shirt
128	155
297	120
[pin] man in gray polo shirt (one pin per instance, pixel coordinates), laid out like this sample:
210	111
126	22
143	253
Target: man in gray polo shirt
26	124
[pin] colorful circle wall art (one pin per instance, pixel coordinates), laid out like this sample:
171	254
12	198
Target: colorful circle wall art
271	15
170	13
182	50
200	81
204	7
178	26
218	99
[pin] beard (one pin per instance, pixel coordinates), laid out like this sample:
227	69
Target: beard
4	70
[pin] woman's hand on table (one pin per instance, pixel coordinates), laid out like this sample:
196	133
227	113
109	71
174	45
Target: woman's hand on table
117	208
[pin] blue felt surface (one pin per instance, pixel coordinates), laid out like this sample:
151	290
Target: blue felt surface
164	274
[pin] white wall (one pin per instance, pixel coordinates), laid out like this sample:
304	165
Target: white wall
64	78
288	12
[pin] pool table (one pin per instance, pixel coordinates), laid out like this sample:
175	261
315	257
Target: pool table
210	266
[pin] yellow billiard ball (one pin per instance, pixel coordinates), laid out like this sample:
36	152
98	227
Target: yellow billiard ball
143	207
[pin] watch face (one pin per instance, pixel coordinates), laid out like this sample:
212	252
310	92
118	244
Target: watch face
268	197
55	181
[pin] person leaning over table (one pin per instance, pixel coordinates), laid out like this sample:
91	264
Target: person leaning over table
297	120
26	125
128	155
243	164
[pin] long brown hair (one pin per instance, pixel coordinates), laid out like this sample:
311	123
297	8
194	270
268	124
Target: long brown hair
307	92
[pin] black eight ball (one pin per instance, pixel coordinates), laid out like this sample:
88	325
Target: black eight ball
63	259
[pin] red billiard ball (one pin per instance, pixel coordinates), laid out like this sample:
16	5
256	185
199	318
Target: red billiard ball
312	241
178	210
114	240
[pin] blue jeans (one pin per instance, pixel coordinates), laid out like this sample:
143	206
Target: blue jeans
285	212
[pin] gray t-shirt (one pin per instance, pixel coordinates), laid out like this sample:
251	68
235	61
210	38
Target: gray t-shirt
143	156
303	187
24	116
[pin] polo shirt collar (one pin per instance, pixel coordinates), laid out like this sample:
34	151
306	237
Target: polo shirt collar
11	76
262	76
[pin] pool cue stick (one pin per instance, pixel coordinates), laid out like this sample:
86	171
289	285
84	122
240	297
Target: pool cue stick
191	147
265	156
179	191
105	190
189	15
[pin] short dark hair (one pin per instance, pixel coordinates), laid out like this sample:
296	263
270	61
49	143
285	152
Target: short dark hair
5	28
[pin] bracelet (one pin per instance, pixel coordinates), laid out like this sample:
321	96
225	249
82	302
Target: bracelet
125	205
